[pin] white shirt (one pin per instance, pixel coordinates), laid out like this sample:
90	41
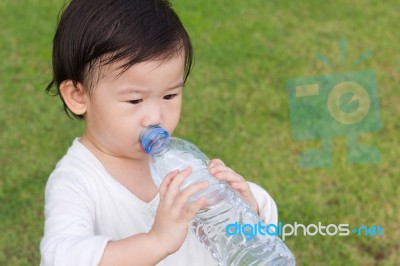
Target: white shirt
86	207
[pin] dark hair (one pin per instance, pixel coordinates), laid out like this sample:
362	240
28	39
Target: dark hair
94	33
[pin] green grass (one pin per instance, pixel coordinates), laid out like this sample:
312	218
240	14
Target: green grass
235	108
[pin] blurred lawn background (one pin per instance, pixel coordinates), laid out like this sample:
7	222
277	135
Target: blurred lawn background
235	108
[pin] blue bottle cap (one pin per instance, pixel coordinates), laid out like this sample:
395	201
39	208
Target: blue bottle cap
154	139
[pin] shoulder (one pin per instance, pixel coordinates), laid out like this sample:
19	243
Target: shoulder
77	170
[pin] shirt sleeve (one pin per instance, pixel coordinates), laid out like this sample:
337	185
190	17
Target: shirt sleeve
69	233
266	205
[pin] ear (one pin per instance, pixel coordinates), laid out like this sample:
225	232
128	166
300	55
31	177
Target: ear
74	97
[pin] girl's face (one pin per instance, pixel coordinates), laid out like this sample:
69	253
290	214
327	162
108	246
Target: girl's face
121	106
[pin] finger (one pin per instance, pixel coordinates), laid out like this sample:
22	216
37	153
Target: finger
220	168
178	180
241	187
194	208
244	191
166	181
215	162
173	187
183	197
229	176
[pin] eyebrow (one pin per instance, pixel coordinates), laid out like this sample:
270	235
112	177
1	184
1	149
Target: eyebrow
130	90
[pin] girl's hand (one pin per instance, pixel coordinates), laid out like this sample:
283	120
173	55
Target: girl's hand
174	212
218	169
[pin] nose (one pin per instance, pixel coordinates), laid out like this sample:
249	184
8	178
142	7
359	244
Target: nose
152	115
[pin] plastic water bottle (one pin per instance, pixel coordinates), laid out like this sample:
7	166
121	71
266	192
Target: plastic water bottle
227	226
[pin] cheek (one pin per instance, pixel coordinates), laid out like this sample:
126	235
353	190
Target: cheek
172	116
120	134
177	108
109	122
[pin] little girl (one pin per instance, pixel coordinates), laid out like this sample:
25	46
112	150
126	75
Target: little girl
121	65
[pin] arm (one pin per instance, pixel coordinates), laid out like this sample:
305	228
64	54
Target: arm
69	232
139	249
69	229
168	231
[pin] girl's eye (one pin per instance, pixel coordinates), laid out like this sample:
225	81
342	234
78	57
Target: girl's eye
169	96
136	101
